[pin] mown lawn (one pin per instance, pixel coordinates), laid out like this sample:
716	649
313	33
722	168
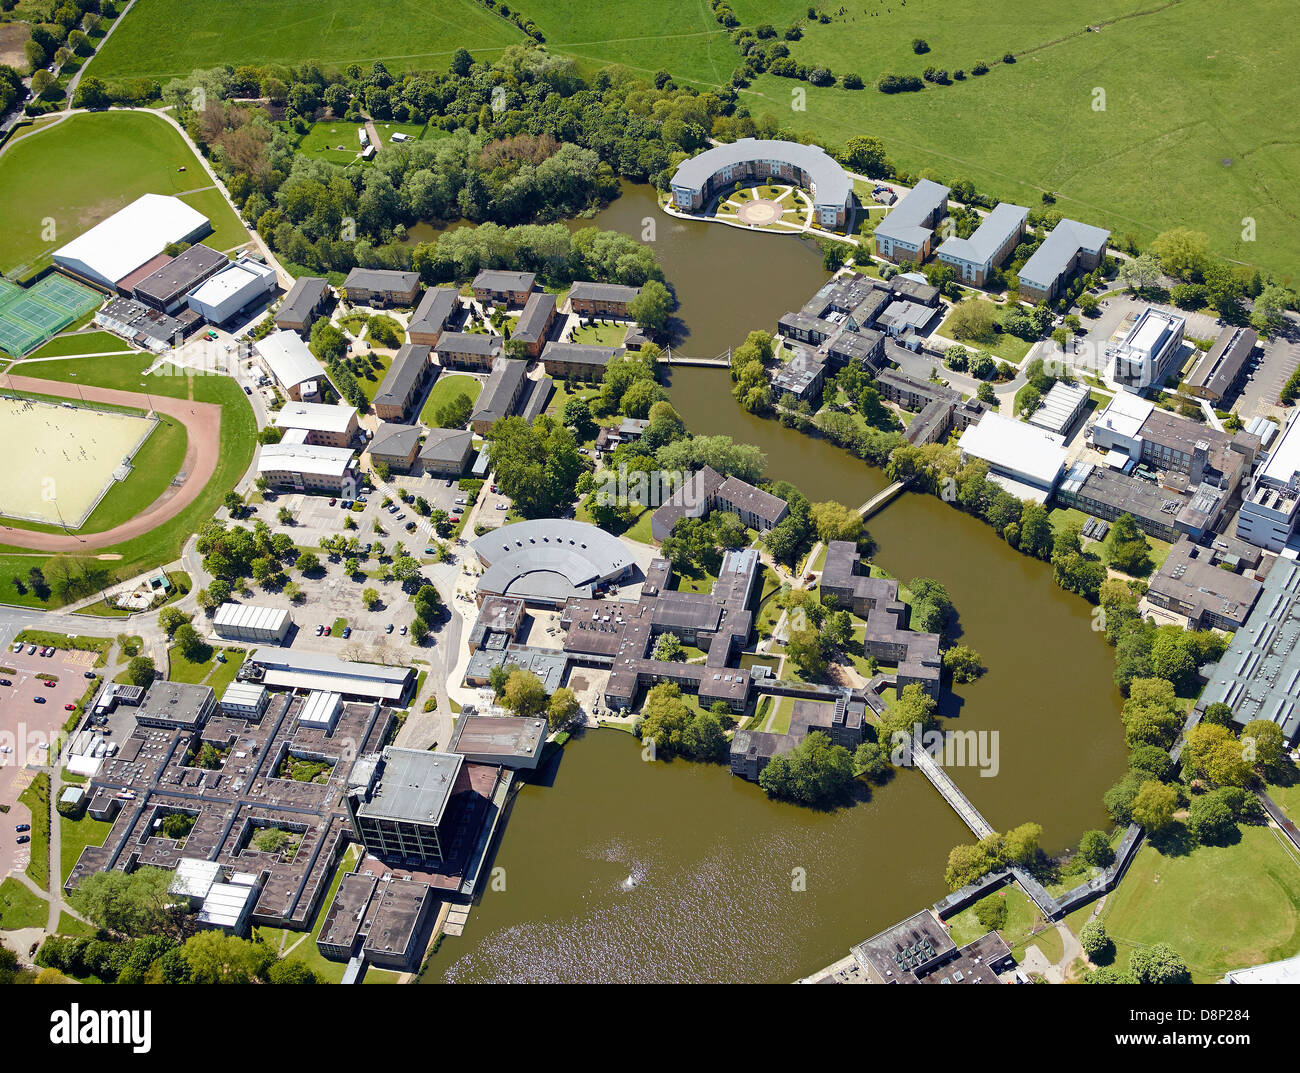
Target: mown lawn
444	390
76	835
20	907
82	343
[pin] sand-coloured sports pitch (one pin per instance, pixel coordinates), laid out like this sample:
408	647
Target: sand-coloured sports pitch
62	458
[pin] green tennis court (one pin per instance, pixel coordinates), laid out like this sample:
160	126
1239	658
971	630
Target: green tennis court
30	316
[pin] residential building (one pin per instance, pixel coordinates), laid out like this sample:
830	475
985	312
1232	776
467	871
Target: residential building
446	452
707	490
321	425
165	290
991	243
578	361
438	308
286	358
305	468
601	299
246	283
1271	509
906	234
506	388
404	384
1071	247
1151	351
715	171
395	445
534	323
1193	585
470	350
1219	374
381	287
493	286
307	299
1027	461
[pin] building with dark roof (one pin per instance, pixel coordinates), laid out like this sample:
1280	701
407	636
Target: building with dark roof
307	299
510	741
1193	585
919	950
505	389
381	287
397	805
601	299
438	307
145	327
496	287
1165	509
578	361
166	289
842	720
446	452
470	350
544	561
1219	374
407	376
707	490
396	445
535	322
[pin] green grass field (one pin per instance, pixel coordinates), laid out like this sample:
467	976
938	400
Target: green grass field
404	34
76	835
446	389
82	343
20	907
334	141
1221	908
162	545
82	170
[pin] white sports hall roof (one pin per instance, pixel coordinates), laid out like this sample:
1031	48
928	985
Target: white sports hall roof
119	245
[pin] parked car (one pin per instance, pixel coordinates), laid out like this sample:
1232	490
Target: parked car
49	684
69	707
502	506
333	500
31	650
410	527
247	390
448	484
389	628
39	700
327	629
461	501
24	838
18	647
347	632
20	828
319	629
88	674
403	631
48	652
5	682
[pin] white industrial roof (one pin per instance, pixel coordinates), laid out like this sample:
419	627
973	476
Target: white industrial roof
230	282
119	245
250	616
1284	460
194	877
320	709
310	670
314	417
1059	407
1013	445
1126	414
304	458
1275	972
243	693
226	903
288	358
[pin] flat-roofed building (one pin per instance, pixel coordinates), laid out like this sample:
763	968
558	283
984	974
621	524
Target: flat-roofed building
321	710
396	445
545	561
1071	247
534	323
322	425
505	389
1163	511
252	623
1061	408
399	808
1151	350
1219	374
843	721
307	299
245	700
446	452
801	377
601	299
286	669
285	356
175	706
509	741
1027	461
578	361
438	307
381	287
378	920
470	350
246	283
1193	584
497	287
991	243
166	289
405	381
1271	509
919	950
306	468
145	327
906	234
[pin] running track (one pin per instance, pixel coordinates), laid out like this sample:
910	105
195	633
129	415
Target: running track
202	421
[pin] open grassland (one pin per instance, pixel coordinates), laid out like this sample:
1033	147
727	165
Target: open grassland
1220	907
1190	134
82	170
161	545
403	34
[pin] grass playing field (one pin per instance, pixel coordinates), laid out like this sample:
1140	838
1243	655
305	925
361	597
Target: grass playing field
82	170
60	461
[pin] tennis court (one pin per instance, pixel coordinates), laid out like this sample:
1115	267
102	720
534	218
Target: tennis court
32	315
62	459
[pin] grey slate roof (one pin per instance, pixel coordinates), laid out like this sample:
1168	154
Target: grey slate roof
434	310
989	237
1051	258
833	183
581	353
381	279
408	366
469	343
303	297
602	292
495	279
906	220
532	321
446	445
499	391
395	440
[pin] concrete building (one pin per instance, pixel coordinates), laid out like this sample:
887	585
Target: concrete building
166	289
381	287
175	706
998	234
1164	510
505	390
1151	351
245	284
1259	675
1071	247
285	357
919	950
499	739
307	299
1134	430
252	624
601	299
321	425
397	805
438	308
396	445
707	490
1193	585
843	721
1220	373
1271	509
405	382
1026	461
132	237
801	376
470	350
446	452
304	468
546	561
146	327
244	700
906	234
534	323
578	361
379	920
286	669
1061	407
493	286
697	180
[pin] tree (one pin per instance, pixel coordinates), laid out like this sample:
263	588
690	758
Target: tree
1213	754
91	93
307	562
815	772
1130	551
1094	848
651	307
963	663
1159	964
214	957
1182	253
1095	942
668	647
1141	273
1020	845
328	343
912	711
835	521
191	645
135	903
1263	745
170	619
865	154
577	416
1210	820
562	709
973	321
869	759
524	693
1154	806
370	597
808	650
291	971
140	671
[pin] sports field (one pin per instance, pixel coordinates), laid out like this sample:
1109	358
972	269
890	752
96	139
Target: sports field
83	169
30	316
61	458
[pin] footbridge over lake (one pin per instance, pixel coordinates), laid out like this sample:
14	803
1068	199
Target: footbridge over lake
885	495
721	361
970	815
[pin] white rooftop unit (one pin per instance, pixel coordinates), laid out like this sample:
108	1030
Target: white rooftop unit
321	710
116	247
